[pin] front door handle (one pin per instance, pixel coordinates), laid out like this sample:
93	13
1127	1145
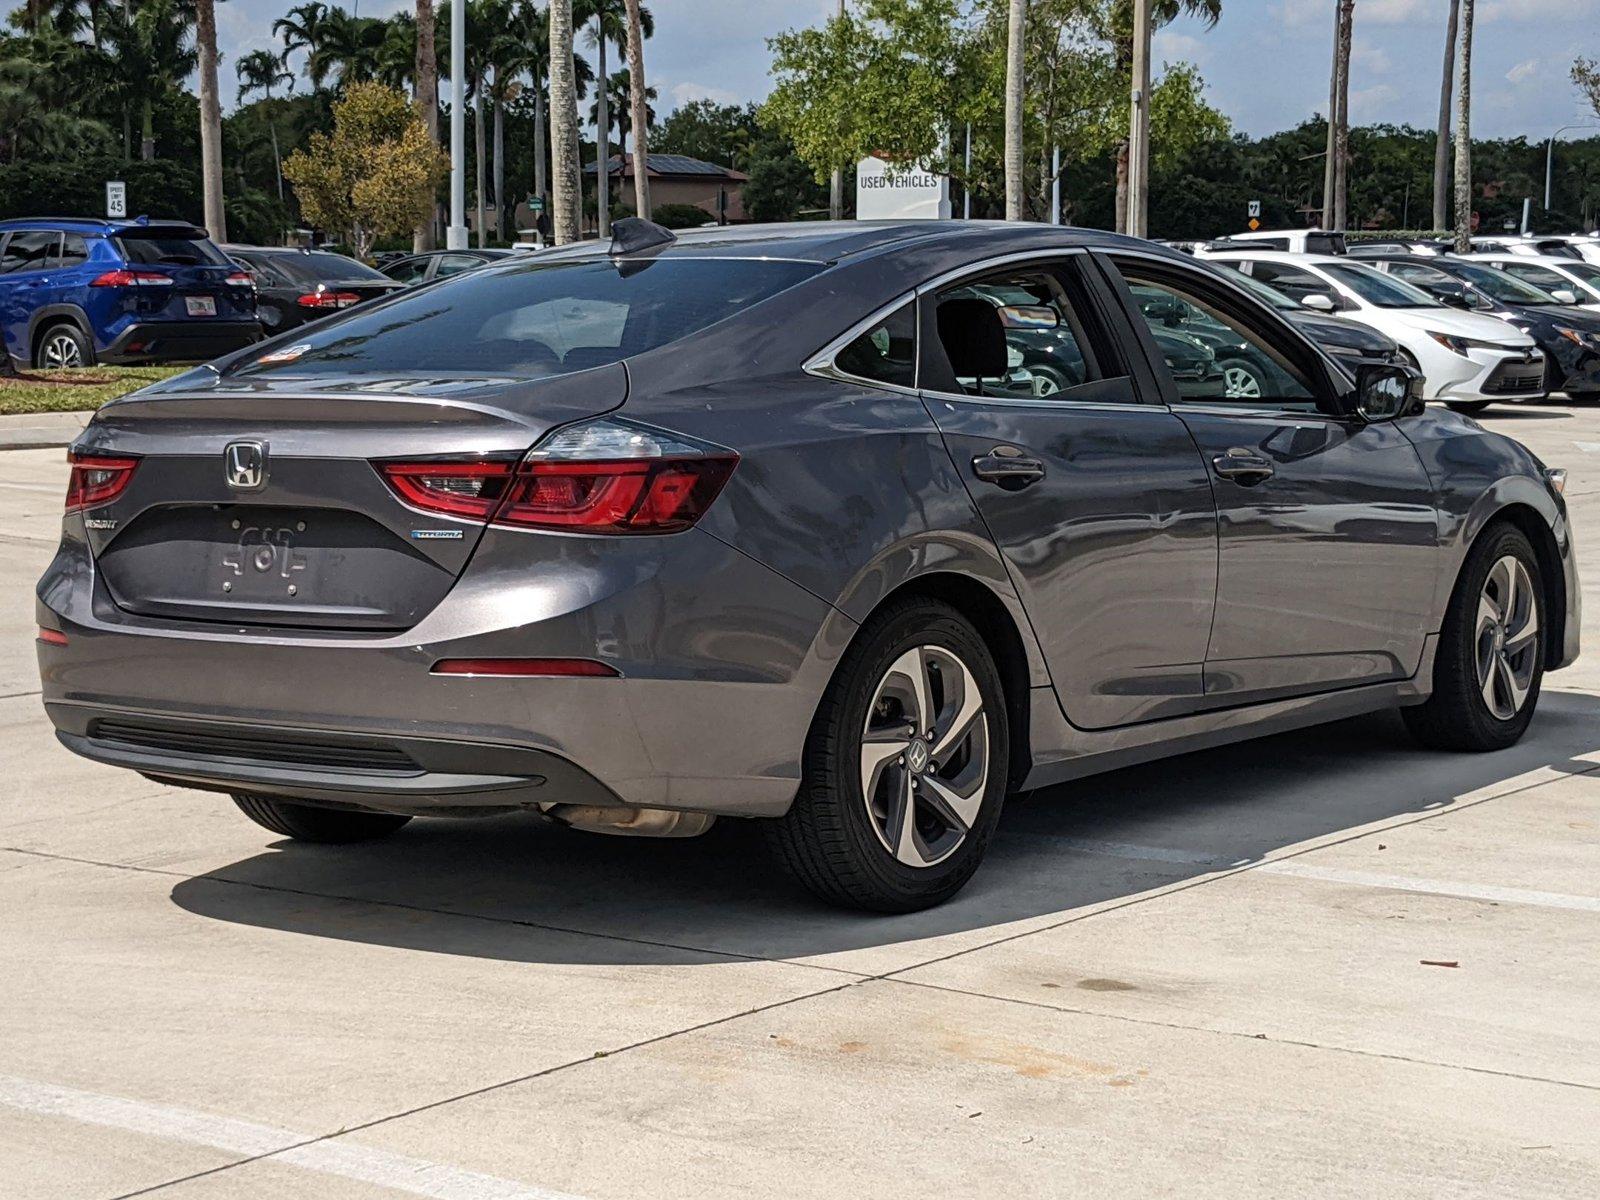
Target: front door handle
1244	467
1008	467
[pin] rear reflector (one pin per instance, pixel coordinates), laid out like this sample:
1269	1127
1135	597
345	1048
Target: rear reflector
97	479
52	637
569	667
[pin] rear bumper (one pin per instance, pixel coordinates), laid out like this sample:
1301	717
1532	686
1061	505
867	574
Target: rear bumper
179	341
722	665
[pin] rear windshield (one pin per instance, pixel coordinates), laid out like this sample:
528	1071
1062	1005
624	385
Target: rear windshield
1378	289
533	319
319	266
170	248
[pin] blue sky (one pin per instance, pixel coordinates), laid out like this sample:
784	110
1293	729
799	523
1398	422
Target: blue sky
1266	62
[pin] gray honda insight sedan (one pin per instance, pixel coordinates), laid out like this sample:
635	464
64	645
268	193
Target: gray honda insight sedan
849	528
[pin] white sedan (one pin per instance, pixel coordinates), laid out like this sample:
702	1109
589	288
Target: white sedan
1469	360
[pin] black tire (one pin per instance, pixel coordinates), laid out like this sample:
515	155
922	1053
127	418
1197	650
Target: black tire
828	840
308	823
1470	407
1457	716
63	338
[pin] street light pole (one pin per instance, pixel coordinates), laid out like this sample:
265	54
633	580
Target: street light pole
456	236
1139	124
1549	157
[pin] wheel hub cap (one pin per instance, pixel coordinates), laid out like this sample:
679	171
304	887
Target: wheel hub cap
925	756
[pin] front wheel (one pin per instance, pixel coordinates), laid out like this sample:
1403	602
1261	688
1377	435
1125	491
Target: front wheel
1490	660
308	823
905	766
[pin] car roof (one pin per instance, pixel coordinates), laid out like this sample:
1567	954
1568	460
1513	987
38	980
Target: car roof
1284	256
830	241
106	228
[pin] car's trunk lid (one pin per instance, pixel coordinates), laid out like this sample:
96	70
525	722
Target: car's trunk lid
321	541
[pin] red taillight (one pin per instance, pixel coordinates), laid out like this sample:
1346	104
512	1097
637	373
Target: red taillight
328	300
97	479
240	279
525	667
607	476
470	490
52	637
133	279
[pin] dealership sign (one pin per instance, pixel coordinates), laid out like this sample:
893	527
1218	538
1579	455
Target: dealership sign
888	191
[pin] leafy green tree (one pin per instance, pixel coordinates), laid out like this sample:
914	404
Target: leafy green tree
376	175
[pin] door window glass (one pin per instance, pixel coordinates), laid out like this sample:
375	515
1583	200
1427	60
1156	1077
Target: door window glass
30	250
1213	355
408	270
1013	335
1293	281
886	353
74	250
454	264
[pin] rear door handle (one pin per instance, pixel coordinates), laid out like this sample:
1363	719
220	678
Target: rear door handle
1244	467
1008	467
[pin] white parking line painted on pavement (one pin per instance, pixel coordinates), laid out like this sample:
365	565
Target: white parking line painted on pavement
328	1157
1303	870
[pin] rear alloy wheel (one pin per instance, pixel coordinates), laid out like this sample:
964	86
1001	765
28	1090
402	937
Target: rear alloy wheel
905	767
308	823
1490	660
63	348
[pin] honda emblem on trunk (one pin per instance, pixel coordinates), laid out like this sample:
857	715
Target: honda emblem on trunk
245	465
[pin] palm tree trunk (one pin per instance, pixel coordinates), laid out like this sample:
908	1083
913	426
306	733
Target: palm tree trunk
1330	182
277	159
1341	142
1464	133
564	121
602	139
216	217
427	98
1441	148
478	146
638	97
1016	20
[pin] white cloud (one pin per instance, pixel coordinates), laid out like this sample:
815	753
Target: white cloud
683	93
1370	60
1167	46
1555	11
1375	103
1523	70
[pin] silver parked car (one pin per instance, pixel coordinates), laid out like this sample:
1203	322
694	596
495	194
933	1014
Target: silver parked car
780	523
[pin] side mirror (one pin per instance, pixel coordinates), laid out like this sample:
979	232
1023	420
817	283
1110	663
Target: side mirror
1319	303
1385	391
1452	294
1565	295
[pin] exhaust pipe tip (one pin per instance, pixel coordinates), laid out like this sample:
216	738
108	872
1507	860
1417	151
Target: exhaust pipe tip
625	821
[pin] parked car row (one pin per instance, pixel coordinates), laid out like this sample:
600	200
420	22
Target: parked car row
1507	323
76	292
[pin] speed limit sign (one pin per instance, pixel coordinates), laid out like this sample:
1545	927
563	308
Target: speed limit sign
1255	208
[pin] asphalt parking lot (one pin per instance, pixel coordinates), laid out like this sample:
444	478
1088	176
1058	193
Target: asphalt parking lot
1325	963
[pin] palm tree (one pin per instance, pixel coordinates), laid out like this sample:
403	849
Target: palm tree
350	46
152	54
1441	148
1464	133
610	24
216	216
1339	146
619	105
1162	12
1015	29
566	213
301	29
261	71
395	64
639	97
426	93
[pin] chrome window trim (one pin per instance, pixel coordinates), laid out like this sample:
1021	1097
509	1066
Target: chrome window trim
1049	404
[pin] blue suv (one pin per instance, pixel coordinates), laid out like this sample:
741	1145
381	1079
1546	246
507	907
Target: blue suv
77	292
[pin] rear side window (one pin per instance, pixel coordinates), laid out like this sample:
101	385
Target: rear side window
170	249
886	353
536	319
29	250
74	250
319	266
